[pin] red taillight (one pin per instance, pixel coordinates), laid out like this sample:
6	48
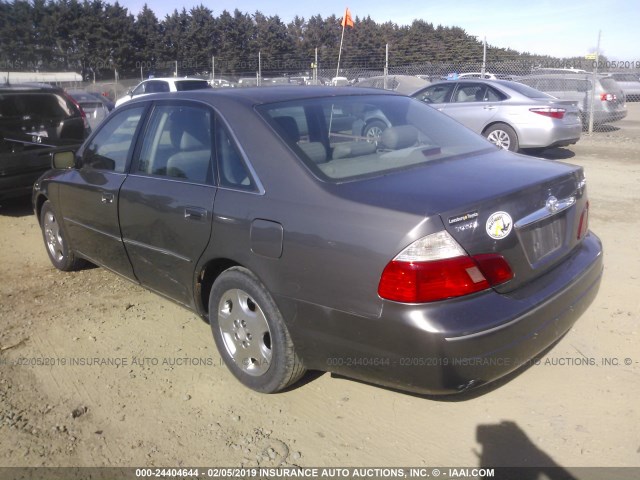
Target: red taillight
583	226
410	281
608	97
549	112
494	267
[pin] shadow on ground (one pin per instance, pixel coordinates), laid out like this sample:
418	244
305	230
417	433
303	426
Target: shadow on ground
556	153
16	207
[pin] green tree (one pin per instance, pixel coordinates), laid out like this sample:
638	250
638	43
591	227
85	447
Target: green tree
147	35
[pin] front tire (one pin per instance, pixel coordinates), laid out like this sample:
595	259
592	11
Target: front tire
250	333
55	239
503	136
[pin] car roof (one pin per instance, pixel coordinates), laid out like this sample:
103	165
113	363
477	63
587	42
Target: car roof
570	76
484	81
262	95
173	79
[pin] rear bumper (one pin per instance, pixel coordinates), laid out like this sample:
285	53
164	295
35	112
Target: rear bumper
603	116
446	347
19	171
555	134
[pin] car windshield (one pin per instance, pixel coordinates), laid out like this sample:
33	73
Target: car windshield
524	89
356	136
191	85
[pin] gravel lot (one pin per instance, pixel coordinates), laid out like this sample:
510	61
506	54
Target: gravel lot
166	399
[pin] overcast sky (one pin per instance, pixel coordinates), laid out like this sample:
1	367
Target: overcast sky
557	28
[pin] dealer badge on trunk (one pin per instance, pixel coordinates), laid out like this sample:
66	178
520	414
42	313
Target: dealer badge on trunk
499	225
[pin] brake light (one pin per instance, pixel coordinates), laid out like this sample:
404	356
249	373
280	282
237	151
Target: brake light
436	267
608	97
549	112
583	226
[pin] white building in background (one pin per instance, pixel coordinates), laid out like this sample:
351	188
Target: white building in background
39	77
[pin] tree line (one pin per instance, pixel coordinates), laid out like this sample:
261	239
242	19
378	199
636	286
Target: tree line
97	38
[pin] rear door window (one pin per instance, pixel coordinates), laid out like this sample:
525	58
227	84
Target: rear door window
177	144
469	92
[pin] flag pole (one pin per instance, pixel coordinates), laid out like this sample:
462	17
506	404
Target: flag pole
344	24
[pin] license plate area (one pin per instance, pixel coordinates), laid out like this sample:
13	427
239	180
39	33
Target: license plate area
544	238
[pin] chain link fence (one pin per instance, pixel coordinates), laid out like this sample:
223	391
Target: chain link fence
600	98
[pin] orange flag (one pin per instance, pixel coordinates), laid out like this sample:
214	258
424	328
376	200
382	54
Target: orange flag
347	21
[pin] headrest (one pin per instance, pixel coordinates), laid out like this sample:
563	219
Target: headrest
289	128
190	129
315	151
402	136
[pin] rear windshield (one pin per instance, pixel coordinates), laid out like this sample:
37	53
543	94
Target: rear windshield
626	77
558	84
524	89
358	136
609	84
191	85
36	105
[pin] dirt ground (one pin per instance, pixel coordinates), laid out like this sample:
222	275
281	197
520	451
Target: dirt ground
166	399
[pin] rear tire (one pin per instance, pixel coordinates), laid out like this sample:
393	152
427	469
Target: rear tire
503	136
373	130
56	242
250	333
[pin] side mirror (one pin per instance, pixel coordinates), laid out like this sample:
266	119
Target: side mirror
63	160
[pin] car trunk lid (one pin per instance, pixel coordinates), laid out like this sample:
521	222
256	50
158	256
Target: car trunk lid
533	228
531	217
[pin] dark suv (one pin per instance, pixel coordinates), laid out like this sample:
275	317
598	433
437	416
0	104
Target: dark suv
34	120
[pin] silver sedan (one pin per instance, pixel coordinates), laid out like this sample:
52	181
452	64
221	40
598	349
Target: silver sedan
508	114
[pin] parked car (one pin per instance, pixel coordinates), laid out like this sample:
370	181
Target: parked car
508	114
106	101
33	121
221	83
487	75
276	81
163	85
339	81
629	83
431	262
561	71
398	83
609	105
94	108
300	80
248	82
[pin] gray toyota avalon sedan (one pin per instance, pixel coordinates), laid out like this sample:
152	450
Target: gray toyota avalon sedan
426	259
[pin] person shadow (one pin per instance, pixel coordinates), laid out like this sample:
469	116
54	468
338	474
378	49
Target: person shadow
513	456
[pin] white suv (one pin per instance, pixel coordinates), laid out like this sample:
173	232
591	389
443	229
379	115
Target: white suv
161	85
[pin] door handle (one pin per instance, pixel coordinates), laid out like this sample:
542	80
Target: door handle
107	197
195	213
489	107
